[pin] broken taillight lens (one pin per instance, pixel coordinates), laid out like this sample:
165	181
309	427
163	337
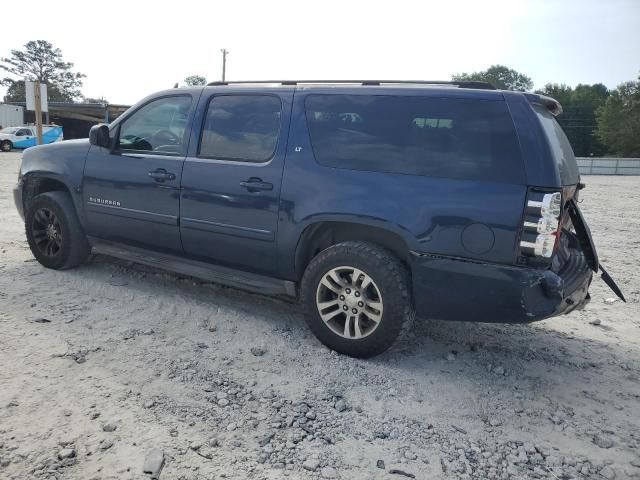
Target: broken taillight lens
541	224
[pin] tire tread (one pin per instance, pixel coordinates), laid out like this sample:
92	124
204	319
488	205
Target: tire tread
77	248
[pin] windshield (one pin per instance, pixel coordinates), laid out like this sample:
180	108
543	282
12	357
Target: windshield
560	147
9	130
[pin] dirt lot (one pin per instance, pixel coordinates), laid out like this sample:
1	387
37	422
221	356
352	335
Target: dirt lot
102	364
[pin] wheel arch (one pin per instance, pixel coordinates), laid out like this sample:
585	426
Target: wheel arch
35	183
322	234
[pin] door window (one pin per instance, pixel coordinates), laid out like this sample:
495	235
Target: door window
241	127
157	127
24	132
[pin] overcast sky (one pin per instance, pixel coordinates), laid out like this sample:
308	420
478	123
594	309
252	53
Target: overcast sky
129	49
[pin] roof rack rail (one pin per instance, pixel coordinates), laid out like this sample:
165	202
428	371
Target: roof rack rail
460	84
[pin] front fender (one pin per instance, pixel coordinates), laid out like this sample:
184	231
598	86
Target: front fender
61	162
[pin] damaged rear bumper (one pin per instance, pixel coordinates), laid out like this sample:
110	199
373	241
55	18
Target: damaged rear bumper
457	289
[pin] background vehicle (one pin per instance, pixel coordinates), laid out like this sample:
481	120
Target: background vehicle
25	137
369	201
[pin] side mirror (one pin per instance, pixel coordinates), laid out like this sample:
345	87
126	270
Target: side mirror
99	136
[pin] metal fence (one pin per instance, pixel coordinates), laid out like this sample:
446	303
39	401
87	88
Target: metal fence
609	166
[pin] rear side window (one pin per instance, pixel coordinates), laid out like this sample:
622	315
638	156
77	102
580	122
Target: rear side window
241	127
440	137
560	147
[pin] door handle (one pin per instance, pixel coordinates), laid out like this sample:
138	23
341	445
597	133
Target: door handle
160	175
255	184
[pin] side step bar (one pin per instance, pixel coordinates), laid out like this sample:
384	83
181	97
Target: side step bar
214	273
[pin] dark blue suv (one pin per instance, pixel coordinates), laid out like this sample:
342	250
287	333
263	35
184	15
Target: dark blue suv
369	201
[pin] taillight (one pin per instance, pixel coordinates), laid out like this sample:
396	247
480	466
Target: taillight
541	227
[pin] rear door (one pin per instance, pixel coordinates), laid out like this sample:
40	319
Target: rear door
231	179
132	192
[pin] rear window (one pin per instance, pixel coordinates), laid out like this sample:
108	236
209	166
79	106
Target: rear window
560	147
441	137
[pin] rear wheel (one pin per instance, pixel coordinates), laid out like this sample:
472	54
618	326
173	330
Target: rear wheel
356	298
54	233
6	146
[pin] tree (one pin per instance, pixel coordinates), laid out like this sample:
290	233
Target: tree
41	61
499	76
619	120
195	80
578	119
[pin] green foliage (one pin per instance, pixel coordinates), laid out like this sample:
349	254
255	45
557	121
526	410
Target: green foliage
578	119
41	61
499	76
195	80
619	120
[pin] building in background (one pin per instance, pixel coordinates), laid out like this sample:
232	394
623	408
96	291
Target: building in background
76	118
11	115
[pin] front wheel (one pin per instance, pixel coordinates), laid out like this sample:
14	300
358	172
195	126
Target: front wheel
356	298
6	146
54	233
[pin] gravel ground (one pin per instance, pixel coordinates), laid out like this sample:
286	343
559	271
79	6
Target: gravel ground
102	365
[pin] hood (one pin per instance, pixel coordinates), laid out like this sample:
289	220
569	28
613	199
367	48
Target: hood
62	161
58	148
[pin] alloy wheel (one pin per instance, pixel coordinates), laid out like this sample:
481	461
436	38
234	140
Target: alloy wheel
349	302
47	232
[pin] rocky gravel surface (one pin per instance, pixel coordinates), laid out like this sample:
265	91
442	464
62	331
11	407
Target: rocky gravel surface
116	371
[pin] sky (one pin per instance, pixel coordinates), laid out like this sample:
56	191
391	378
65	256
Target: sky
129	49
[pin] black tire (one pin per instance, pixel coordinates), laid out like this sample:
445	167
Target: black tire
6	146
67	245
389	277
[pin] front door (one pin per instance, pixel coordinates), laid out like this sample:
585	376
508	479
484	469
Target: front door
132	191
231	178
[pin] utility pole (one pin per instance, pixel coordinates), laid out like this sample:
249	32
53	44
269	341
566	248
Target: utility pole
224	62
38	102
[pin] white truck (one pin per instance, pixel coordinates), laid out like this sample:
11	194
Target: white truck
25	136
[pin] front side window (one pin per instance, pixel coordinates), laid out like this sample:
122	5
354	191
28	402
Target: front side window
24	132
157	127
241	127
457	138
